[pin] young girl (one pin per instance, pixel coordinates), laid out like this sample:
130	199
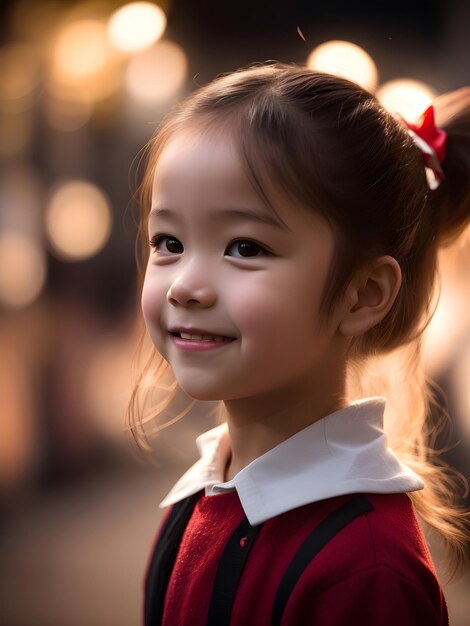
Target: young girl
294	226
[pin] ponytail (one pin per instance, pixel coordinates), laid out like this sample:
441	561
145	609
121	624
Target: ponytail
440	505
451	201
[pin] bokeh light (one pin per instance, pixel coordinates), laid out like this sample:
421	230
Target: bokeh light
136	26
443	336
444	333
109	370
157	74
84	66
460	383
346	59
22	269
78	220
81	48
410	98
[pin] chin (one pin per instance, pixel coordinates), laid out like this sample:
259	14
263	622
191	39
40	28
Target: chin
206	387
204	391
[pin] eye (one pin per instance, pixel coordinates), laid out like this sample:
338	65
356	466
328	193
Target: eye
165	244
245	248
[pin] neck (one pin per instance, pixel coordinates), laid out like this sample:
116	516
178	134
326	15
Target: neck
258	424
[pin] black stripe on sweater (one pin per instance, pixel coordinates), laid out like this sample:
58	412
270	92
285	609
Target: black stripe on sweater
318	538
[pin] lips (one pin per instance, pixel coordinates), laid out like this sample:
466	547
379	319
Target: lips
197	334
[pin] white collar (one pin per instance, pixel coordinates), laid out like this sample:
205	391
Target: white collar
343	452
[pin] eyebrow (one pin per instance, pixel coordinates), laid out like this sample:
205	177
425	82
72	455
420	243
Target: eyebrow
232	213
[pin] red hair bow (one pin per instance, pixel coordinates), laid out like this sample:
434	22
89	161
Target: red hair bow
432	143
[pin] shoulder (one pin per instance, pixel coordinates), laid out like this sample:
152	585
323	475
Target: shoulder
388	536
395	534
379	563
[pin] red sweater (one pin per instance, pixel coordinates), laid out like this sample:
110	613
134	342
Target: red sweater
377	571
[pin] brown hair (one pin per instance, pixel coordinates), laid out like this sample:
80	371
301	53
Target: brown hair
329	144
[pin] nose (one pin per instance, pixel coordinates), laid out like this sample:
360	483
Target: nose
192	288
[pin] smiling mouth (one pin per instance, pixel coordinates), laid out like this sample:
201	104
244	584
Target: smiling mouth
195	337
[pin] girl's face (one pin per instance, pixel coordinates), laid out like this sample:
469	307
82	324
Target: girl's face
232	291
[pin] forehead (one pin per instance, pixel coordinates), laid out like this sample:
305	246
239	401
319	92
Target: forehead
204	161
204	168
202	176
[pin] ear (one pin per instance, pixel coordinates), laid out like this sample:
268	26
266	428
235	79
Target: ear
370	296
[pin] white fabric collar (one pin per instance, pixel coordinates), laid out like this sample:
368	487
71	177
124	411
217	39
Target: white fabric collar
343	452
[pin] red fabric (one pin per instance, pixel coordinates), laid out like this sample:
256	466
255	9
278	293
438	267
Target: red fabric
377	570
434	137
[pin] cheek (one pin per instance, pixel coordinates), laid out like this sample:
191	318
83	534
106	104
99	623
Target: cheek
267	307
278	318
148	300
152	299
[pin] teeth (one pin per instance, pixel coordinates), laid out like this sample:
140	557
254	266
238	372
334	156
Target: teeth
202	337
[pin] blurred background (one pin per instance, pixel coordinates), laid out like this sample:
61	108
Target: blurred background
83	86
